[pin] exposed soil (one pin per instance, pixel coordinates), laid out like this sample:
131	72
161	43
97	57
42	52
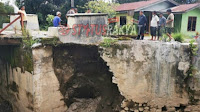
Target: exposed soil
85	80
5	106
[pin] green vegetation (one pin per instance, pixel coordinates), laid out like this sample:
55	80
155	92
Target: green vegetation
49	22
4	8
44	7
125	30
101	6
178	37
193	52
191	72
179	1
107	42
49	19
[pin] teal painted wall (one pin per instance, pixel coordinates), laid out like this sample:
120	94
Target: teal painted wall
184	24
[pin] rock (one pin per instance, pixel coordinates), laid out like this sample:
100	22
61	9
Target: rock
141	109
153	110
140	105
124	104
126	108
122	111
74	107
158	110
131	109
146	108
171	109
144	105
136	105
136	110
184	66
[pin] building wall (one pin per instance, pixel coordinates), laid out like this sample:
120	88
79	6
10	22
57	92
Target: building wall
128	18
177	25
184	25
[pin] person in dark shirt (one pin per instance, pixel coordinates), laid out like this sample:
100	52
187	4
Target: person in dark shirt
57	20
161	25
141	25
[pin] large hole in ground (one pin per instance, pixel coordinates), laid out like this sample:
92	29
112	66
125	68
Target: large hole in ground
85	80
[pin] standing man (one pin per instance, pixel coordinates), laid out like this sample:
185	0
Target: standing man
71	11
57	20
76	10
161	25
24	17
89	11
141	25
154	25
170	23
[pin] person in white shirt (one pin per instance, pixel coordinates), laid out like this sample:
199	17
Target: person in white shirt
154	25
24	16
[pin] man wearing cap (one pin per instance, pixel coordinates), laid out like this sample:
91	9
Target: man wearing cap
161	25
57	20
170	23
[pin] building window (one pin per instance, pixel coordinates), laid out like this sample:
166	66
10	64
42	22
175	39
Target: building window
192	21
122	20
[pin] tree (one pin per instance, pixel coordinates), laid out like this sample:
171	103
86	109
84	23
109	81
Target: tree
186	1
179	1
44	7
127	1
101	6
4	8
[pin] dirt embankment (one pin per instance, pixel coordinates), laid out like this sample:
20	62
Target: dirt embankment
85	80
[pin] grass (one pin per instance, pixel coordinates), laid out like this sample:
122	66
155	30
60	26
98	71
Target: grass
124	38
107	42
178	37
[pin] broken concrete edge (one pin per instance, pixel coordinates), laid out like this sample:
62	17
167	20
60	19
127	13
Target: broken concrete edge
87	14
116	55
10	41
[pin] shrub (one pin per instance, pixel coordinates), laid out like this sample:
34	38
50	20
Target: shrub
178	37
107	42
49	19
4	8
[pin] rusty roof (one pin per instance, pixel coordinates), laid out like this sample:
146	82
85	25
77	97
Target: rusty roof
134	5
140	5
185	7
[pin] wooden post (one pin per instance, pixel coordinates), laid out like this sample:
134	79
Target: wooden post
72	3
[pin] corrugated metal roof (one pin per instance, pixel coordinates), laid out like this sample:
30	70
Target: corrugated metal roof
185	7
135	5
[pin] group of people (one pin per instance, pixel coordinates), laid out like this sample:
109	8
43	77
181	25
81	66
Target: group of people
158	26
57	18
